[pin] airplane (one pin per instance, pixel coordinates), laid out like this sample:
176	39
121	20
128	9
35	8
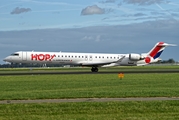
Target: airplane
93	60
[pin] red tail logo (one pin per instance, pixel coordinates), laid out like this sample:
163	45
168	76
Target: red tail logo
154	52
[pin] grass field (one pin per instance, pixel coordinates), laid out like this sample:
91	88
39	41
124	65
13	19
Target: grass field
153	110
90	86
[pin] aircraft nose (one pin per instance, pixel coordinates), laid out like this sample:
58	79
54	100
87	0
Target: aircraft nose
5	59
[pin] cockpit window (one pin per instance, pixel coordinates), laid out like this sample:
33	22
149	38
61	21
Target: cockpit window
15	54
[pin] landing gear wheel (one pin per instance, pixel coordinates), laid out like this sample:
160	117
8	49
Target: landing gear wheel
94	69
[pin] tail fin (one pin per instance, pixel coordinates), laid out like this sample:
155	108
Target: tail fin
156	51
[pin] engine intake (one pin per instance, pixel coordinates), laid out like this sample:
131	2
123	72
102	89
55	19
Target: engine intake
135	57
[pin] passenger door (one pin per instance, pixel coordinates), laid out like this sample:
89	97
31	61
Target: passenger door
24	56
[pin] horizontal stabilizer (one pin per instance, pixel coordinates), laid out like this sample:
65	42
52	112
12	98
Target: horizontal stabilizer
166	44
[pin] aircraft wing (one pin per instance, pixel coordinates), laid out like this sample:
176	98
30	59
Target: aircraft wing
98	64
120	59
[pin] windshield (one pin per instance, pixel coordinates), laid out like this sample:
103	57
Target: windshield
15	54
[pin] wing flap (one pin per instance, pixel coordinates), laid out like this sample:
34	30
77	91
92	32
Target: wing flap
98	64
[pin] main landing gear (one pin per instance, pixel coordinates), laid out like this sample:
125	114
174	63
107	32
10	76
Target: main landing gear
94	69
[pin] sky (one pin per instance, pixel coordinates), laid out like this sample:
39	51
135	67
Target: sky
102	26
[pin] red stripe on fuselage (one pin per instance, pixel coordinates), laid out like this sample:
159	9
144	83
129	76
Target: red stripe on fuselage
156	49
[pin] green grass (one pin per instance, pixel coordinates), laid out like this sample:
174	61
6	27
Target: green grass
88	86
153	110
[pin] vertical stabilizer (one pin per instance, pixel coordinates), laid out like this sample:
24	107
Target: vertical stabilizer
156	51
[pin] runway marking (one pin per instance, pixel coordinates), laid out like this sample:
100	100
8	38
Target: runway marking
88	100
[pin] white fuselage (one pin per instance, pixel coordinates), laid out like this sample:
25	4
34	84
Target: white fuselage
67	58
93	60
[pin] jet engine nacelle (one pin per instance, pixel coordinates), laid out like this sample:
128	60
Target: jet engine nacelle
135	57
